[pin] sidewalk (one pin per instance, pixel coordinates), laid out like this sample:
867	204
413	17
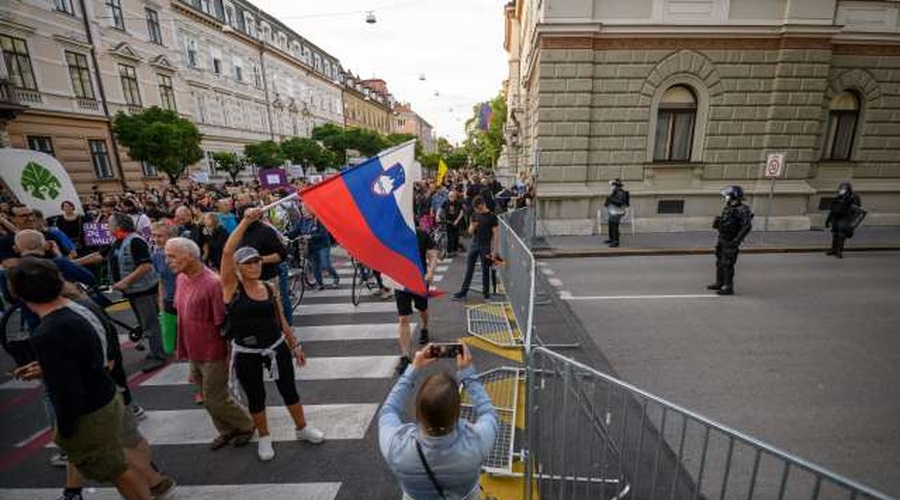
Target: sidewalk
703	242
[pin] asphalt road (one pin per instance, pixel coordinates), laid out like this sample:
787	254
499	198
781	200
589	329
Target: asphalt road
805	357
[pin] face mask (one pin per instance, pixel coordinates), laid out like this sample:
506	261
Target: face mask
119	234
842	192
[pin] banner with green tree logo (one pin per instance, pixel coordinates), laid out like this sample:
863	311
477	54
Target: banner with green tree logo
37	180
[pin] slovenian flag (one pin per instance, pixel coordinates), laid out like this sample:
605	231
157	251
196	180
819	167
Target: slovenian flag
369	211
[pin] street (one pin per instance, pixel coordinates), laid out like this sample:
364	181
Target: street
805	356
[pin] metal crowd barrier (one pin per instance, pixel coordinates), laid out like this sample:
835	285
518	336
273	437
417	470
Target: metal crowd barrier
522	222
590	435
518	278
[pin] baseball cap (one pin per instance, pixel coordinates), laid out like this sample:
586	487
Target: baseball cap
246	254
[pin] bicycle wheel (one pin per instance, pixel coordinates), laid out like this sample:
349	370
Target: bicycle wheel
15	336
295	284
441	245
358	284
309	278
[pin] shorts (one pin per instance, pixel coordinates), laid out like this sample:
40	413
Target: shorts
130	436
95	448
405	302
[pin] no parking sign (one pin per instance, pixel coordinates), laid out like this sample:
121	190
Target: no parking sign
774	165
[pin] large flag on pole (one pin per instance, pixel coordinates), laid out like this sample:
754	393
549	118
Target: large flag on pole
369	210
37	180
442	171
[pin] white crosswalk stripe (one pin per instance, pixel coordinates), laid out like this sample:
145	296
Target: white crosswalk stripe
315	369
345	308
275	491
348	332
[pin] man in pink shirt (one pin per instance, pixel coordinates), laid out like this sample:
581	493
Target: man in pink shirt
201	312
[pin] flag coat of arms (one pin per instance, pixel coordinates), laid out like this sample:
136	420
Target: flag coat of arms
369	211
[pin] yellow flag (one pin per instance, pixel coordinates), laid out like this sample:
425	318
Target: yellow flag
442	171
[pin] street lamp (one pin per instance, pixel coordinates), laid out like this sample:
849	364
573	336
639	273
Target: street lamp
370	18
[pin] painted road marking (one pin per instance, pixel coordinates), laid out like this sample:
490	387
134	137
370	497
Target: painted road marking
547	271
348	332
275	491
555	282
568	296
348	271
345	308
338	368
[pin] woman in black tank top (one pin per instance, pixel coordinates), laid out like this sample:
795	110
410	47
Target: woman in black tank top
261	336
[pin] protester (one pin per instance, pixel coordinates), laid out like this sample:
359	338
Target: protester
268	242
187	228
405	299
213	237
320	255
71	361
71	224
439	456
452	219
484	228
201	314
261	338
226	215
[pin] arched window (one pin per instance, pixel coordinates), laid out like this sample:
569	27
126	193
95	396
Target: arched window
842	124
676	116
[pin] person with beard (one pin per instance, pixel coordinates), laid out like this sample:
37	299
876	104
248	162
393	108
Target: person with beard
187	228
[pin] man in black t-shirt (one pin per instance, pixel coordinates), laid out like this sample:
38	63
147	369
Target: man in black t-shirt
406	299
453	215
484	227
72	362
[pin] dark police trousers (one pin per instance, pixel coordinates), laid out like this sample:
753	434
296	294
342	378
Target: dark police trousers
614	221
726	258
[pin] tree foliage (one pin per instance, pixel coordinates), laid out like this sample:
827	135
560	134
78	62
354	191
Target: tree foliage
265	154
307	153
161	138
230	163
484	146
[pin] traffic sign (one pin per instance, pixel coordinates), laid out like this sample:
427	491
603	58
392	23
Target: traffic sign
774	165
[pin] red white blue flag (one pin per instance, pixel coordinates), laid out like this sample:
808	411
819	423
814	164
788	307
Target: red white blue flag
369	211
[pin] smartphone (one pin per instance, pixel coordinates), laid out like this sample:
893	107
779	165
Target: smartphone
450	350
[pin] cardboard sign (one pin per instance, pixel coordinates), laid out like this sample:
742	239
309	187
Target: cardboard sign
97	234
272	178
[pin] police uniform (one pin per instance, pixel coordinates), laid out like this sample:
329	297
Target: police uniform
845	214
733	225
616	204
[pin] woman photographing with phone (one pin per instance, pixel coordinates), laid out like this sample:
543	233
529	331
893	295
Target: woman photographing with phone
440	456
261	337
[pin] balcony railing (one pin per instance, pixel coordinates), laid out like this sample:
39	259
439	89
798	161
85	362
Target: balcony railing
135	109
25	95
87	104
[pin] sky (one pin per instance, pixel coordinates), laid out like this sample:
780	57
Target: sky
457	45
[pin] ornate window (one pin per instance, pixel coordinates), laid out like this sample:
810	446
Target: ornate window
80	75
675	120
18	63
130	89
843	119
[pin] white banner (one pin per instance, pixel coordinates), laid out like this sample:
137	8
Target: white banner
38	180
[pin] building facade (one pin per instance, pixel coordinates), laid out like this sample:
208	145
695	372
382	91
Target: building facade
680	98
407	121
235	71
368	105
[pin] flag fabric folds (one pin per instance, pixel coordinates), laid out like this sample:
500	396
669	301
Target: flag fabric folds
485	116
442	171
369	211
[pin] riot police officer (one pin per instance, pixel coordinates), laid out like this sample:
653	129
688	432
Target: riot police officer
846	213
616	204
733	225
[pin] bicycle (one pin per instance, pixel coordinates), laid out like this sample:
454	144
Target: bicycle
362	277
101	296
15	335
300	272
440	239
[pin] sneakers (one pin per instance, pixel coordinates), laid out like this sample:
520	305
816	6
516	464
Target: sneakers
310	434
401	367
320	287
198	398
423	336
59	460
265	451
713	286
139	412
163	488
458	296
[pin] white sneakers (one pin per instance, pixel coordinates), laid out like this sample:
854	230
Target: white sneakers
310	434
266	452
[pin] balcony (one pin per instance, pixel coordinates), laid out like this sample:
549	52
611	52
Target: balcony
135	109
30	96
10	107
90	104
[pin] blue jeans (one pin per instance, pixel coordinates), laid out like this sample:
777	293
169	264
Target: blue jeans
321	261
285	292
475	253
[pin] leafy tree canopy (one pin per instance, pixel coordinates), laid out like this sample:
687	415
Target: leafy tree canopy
484	146
265	154
307	152
161	138
230	163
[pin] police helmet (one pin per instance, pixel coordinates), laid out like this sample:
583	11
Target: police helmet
845	187
733	193
616	182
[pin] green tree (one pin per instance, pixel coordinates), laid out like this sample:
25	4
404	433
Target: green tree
397	139
444	147
484	146
457	158
161	138
307	152
230	163
430	161
265	154
334	138
367	142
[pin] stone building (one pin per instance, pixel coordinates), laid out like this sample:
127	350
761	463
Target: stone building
237	72
407	121
368	105
680	98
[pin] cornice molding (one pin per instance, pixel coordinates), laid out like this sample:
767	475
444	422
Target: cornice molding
14	26
83	45
123	50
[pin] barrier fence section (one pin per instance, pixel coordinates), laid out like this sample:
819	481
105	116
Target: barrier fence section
522	222
590	435
518	276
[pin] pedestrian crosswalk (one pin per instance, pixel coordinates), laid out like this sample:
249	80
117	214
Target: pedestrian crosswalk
351	359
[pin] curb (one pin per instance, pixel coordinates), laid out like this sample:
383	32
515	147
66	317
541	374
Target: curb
551	253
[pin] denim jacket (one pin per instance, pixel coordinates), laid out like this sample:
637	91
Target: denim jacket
455	458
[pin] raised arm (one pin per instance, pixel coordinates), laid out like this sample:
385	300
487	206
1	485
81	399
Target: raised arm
228	270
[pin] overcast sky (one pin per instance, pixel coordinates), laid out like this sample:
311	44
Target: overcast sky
457	45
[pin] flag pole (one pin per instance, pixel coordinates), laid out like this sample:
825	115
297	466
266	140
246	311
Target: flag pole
279	202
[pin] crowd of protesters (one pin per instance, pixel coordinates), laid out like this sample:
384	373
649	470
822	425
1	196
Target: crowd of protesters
203	262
